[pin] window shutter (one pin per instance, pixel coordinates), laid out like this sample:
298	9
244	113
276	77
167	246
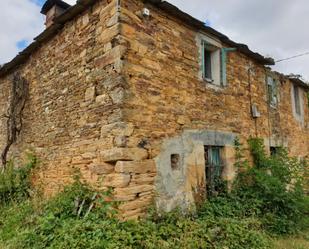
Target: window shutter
223	67
223	53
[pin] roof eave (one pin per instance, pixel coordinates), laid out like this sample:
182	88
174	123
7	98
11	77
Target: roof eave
299	82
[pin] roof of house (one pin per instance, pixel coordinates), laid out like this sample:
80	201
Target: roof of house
82	5
296	79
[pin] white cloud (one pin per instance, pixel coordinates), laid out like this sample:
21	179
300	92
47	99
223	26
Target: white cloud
272	27
20	20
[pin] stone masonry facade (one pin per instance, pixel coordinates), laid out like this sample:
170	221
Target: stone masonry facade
117	94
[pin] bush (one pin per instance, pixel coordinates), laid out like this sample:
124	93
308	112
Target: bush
275	184
56	223
266	200
15	182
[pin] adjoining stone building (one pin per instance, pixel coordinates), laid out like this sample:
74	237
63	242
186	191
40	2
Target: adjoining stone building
145	99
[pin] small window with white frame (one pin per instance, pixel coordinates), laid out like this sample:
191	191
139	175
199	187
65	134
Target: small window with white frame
297	100
297	103
211	63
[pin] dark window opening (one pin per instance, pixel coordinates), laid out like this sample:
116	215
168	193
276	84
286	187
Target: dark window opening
274	151
175	161
297	100
207	64
214	169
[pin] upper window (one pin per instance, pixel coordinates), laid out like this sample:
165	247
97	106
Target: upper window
211	63
272	91
297	100
297	103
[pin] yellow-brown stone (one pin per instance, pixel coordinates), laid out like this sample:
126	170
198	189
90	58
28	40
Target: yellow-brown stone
101	168
131	190
136	204
138	167
124	154
116	180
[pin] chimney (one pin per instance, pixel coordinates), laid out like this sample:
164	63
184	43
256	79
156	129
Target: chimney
52	9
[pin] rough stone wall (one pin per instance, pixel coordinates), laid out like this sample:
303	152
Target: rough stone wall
114	94
76	93
295	132
167	98
285	129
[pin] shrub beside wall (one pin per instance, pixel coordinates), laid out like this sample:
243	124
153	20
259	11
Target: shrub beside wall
267	200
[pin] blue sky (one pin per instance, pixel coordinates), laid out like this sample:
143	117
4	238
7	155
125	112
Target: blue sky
39	2
23	43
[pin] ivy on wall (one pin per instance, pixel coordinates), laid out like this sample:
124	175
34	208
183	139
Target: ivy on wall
19	95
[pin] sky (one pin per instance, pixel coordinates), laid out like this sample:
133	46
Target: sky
276	28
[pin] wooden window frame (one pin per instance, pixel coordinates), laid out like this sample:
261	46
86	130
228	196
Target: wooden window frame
220	64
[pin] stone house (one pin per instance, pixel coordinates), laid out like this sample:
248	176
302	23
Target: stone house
143	98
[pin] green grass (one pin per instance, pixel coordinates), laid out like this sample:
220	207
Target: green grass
292	242
299	241
14	219
24	225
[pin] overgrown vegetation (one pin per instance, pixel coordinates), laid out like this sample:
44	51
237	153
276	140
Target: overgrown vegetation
275	183
267	201
15	183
